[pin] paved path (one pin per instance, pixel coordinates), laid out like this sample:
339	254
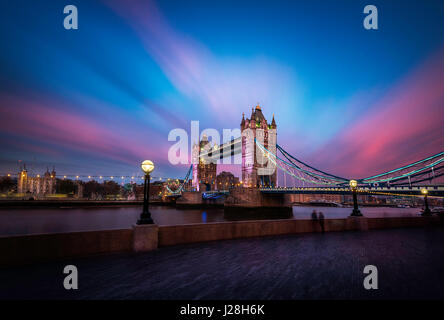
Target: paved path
307	266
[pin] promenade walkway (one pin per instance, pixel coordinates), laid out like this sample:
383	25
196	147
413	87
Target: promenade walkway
304	266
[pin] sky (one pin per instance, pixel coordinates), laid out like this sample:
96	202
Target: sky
100	99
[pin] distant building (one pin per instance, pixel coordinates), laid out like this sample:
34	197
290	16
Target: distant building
225	180
255	174
304	198
36	185
156	190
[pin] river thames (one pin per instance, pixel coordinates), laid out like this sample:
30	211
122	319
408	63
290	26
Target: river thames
20	221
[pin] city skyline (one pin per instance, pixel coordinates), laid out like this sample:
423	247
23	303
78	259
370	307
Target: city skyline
100	99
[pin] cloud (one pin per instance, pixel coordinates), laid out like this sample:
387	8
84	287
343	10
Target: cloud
223	87
406	125
50	122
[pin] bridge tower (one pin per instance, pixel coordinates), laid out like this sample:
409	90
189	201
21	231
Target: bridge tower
204	171
252	169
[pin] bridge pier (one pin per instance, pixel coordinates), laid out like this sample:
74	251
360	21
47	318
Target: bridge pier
190	199
252	202
194	199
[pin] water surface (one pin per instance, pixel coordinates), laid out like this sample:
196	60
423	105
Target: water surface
19	221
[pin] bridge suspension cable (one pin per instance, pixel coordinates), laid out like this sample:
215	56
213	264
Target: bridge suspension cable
410	174
322	173
185	180
415	170
318	177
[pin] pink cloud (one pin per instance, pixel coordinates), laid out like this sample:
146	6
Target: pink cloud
406	125
50	122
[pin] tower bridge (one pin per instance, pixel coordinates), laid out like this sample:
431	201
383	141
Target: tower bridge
262	158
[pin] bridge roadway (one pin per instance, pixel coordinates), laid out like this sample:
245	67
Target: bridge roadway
414	190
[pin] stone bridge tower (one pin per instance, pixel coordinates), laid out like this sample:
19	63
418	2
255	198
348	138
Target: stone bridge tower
204	171
257	171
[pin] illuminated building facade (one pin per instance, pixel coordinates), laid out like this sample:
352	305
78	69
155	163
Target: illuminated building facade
226	180
36	185
204	171
255	169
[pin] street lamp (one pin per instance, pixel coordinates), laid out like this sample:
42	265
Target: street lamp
354	187
145	217
426	211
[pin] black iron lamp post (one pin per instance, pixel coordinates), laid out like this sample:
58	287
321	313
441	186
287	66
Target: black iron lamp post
354	186
426	211
145	216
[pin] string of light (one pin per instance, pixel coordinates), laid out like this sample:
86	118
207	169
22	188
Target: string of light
101	177
399	194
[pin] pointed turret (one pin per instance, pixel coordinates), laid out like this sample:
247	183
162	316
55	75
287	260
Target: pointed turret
47	175
273	123
243	120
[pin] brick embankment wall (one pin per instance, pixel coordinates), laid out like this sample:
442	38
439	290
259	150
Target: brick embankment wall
43	247
172	235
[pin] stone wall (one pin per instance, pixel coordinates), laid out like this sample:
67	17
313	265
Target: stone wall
189	197
252	197
241	196
41	247
173	235
35	248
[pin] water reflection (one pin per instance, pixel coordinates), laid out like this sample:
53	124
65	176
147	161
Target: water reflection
14	221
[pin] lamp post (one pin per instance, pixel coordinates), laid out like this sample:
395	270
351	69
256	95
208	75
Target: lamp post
354	187
426	211
145	216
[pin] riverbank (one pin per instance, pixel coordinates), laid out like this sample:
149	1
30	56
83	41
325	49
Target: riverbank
38	220
124	203
75	203
44	247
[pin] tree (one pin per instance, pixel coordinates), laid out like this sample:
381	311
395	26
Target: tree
103	189
66	186
111	188
91	187
6	184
